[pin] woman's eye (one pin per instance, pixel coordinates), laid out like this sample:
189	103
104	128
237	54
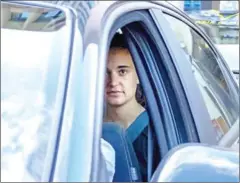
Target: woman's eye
122	72
107	73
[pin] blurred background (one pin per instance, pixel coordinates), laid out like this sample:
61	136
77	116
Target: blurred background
220	21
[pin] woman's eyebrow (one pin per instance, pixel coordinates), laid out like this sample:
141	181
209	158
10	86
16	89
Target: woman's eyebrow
119	67
123	66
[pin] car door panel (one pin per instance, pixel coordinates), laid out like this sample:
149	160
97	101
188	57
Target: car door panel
69	151
199	112
34	41
201	166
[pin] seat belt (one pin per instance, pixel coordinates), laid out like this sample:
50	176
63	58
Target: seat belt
136	128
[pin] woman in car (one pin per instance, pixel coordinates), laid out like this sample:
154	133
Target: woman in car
121	89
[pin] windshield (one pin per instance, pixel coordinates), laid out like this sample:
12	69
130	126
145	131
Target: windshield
31	60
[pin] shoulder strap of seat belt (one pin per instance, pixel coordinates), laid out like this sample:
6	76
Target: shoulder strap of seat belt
136	128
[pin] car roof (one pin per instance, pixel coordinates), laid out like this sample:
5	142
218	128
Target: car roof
93	4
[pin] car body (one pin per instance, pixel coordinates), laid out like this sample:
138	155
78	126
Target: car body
53	72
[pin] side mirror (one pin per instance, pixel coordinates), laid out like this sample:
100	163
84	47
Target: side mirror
198	163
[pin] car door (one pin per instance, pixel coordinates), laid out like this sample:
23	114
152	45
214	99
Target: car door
33	84
97	34
219	90
194	98
45	93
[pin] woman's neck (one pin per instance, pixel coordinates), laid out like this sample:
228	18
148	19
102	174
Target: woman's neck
125	114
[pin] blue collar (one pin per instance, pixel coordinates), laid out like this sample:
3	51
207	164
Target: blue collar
136	128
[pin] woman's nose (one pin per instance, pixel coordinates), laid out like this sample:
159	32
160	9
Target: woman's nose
114	80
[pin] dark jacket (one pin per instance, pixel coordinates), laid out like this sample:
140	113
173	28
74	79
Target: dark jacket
138	135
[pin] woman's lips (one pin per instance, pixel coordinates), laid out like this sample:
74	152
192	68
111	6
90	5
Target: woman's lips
114	93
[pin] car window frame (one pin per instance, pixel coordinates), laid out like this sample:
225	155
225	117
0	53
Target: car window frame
106	13
220	61
59	171
92	36
156	75
205	129
77	116
181	16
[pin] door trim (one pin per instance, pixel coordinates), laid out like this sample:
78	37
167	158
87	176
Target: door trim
197	105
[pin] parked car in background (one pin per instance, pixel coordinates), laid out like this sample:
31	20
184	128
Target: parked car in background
53	68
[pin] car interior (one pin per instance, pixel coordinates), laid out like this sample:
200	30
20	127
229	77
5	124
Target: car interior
127	167
127	163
